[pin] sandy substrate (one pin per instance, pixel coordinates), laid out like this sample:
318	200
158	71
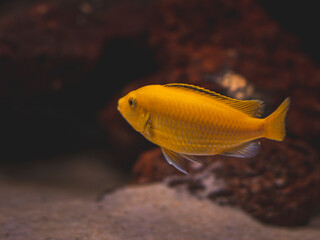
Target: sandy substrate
144	212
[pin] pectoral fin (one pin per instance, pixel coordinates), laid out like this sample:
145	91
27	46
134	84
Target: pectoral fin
174	159
246	150
192	158
179	160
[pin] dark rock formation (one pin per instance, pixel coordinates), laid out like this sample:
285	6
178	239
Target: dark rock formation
62	61
195	42
278	186
49	45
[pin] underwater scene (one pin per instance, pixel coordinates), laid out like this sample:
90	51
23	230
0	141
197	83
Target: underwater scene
159	119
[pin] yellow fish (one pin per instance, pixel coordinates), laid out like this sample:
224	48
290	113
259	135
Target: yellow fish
187	121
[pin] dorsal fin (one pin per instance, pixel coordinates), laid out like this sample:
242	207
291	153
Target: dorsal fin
253	108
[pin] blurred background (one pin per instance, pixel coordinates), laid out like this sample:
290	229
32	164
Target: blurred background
64	64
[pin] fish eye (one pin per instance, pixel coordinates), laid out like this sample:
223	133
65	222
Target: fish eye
132	102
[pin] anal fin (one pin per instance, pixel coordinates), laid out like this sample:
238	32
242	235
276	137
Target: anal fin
246	150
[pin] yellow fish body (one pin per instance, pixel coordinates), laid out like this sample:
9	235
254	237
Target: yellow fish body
187	121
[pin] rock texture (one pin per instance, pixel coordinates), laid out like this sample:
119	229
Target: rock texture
281	185
278	186
62	61
149	212
194	41
55	44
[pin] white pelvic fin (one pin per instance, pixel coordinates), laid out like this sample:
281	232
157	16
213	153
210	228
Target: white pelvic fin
246	150
192	158
174	159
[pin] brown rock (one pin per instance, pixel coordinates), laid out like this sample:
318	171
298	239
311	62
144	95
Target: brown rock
151	167
240	37
254	46
282	182
60	63
304	117
56	43
279	186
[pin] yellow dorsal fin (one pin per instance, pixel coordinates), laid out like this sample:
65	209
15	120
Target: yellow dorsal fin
253	108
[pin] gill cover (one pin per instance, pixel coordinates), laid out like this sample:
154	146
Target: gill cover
132	110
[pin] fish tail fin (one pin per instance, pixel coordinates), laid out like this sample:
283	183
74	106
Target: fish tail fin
275	122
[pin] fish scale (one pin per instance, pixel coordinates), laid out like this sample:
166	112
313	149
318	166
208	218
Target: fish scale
208	124
186	120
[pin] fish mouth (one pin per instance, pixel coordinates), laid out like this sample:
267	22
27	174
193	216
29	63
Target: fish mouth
120	102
